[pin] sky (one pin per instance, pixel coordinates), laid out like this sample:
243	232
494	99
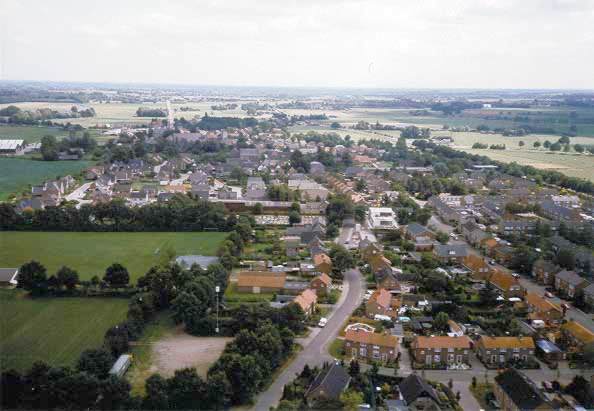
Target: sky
310	43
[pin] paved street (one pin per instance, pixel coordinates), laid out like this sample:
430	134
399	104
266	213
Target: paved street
315	350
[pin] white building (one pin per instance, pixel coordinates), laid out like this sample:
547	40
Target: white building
382	218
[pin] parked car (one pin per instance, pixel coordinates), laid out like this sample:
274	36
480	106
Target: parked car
549	294
323	322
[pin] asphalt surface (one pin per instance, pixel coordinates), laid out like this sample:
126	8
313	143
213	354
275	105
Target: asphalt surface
315	350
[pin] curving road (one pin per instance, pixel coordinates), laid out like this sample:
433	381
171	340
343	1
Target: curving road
315	349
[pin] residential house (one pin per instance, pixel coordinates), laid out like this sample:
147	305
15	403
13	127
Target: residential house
503	254
307	301
516	227
292	245
316	168
321	283
382	218
328	385
418	394
559	212
472	233
515	392
257	282
479	267
578	335
380	303
542	309
423	244
569	282
508	285
440	350
415	230
544	271
323	263
499	351
386	278
370	346
589	295
450	253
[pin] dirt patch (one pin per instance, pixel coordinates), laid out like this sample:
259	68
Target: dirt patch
183	350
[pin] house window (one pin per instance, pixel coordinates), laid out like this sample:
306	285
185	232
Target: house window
363	352
450	350
436	358
493	358
450	358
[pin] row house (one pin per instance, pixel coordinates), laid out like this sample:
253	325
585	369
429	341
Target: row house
544	271
472	233
516	227
569	282
441	351
559	212
515	391
542	309
370	346
578	335
508	285
499	351
450	253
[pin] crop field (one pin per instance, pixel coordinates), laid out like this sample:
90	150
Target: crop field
91	253
55	330
572	163
125	113
18	174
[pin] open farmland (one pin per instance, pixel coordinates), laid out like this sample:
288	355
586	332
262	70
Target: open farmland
571	164
125	113
18	174
55	330
91	253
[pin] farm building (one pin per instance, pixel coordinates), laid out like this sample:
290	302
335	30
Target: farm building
8	277
11	146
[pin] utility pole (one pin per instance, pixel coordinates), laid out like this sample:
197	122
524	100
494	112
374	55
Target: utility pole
217	289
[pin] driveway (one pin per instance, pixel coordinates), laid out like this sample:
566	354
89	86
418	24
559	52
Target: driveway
315	350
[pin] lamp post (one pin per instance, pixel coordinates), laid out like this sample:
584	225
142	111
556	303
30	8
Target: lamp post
217	290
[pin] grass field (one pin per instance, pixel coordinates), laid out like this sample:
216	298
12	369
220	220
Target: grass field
55	330
30	133
91	253
18	174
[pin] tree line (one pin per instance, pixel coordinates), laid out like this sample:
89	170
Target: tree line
181	213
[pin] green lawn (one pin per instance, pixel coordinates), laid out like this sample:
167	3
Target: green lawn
91	253
32	134
55	330
19	174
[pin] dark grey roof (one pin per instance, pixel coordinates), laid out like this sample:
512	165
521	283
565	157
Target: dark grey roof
332	380
570	277
520	389
451	250
413	387
416	228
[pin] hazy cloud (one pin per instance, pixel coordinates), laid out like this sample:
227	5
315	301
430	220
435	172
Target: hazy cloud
383	43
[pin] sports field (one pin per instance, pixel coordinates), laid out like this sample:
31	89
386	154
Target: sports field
55	330
20	173
91	253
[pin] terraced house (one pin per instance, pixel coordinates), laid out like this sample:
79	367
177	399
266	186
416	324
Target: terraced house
370	346
441	351
499	351
569	282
